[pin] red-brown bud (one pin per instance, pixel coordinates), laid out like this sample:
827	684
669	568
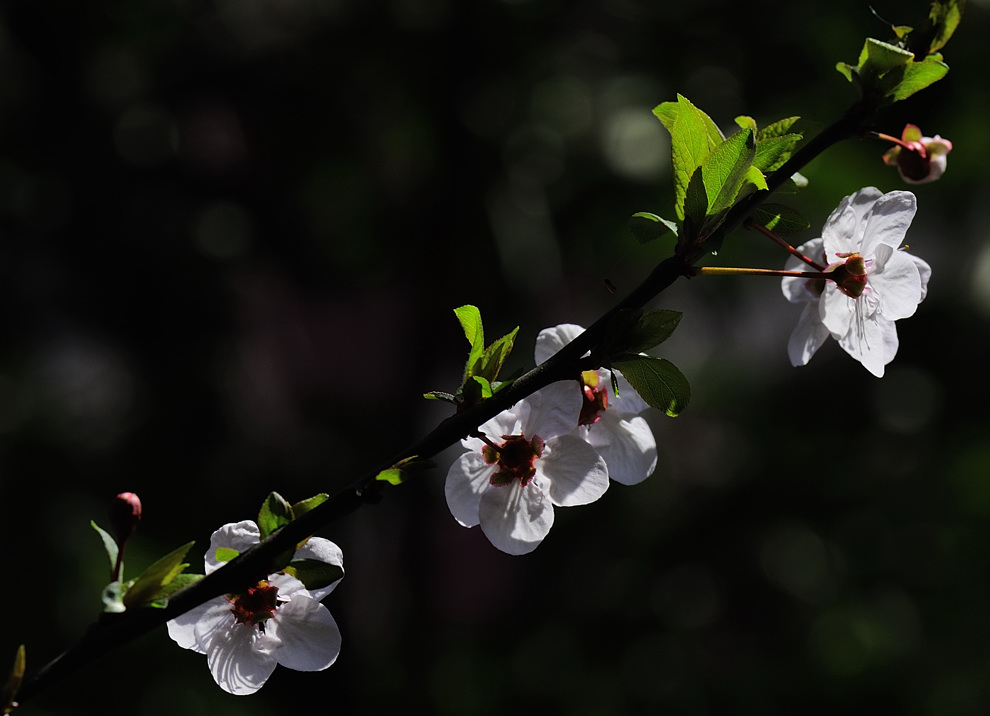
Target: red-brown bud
125	513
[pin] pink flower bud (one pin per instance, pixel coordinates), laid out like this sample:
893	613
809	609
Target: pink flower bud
125	513
918	159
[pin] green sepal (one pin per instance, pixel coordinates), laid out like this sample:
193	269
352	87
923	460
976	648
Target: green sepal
109	544
313	573
780	218
154	578
647	227
658	382
275	512
8	699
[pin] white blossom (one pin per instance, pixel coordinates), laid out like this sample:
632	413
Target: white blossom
277	621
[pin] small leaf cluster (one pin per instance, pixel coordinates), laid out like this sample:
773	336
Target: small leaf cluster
889	72
712	173
483	365
658	381
275	513
153	587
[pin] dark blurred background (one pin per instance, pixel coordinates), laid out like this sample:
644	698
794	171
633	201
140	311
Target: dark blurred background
232	233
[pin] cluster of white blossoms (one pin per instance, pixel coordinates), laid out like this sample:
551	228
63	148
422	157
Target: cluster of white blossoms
875	281
277	621
557	448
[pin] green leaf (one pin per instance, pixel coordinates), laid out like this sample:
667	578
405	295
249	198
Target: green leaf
109	544
647	227
159	574
470	319
392	476
771	153
883	57
398	473
160	599
658	381
275	512
652	329
690	143
778	129
8	698
780	219
313	573
494	356
905	81
225	554
303	506
440	395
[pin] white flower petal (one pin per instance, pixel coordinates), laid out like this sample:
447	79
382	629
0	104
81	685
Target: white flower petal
899	287
553	410
467	479
628	402
836	310
925	271
626	444
515	519
888	221
322	550
843	232
240	659
551	340
795	289
807	337
310	639
195	629
239	536
873	343
576	472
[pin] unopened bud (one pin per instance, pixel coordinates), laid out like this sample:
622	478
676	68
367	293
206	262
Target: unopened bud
125	513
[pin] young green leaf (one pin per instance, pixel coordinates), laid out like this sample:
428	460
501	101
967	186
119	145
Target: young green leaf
778	129
275	512
690	143
303	506
8	699
313	573
159	574
225	554
494	356
780	218
109	544
771	153
647	227
903	82
470	319
652	329
160	599
658	381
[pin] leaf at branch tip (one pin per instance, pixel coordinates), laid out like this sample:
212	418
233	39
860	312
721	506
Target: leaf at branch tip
158	575
400	471
9	697
109	543
658	382
494	356
275	512
693	135
470	319
647	227
780	218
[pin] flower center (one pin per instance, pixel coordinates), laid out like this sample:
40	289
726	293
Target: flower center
256	605
850	276
595	398
514	459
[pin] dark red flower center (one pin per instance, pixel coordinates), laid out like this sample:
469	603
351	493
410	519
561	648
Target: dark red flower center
514	459
256	605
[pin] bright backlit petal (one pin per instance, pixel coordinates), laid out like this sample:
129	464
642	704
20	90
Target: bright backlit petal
899	286
515	519
626	444
807	337
843	232
239	536
322	550
195	629
310	639
873	343
553	410
553	339
240	659
467	479
888	221
577	473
